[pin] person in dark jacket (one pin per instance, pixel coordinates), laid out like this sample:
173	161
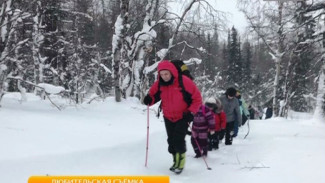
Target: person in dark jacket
260	112
176	111
269	112
252	112
233	116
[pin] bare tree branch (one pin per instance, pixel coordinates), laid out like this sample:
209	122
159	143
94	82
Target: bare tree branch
33	84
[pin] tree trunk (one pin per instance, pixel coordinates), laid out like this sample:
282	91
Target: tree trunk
278	61
320	97
118	47
39	66
319	110
3	77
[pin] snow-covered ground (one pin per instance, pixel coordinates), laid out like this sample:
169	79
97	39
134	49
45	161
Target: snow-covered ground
109	138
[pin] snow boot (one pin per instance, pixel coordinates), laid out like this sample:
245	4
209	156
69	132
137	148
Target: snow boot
180	162
210	142
210	147
173	167
215	144
229	138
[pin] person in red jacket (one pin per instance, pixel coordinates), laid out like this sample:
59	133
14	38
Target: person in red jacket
178	109
220	122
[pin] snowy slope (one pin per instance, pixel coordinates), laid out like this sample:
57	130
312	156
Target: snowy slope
109	138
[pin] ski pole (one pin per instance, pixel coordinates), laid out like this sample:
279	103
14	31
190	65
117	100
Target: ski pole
147	146
248	128
197	143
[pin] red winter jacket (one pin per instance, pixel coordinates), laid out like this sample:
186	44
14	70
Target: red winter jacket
173	104
221	121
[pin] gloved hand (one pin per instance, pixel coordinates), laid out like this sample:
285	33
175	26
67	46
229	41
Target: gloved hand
188	116
147	100
212	132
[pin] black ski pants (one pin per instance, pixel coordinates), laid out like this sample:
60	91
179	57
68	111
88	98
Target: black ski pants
229	132
213	141
176	132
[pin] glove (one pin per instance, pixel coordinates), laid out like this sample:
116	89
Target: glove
212	132
188	117
147	100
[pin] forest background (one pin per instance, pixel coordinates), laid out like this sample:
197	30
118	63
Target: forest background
91	49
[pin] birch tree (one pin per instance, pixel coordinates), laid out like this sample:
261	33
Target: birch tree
11	18
270	28
119	47
317	11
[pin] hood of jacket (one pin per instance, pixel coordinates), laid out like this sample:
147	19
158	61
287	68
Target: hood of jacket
167	65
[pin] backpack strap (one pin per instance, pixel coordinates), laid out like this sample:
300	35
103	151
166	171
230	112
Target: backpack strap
159	108
186	95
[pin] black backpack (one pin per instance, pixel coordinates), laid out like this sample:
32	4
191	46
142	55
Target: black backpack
182	70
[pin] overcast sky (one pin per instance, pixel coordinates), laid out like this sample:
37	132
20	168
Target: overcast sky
235	17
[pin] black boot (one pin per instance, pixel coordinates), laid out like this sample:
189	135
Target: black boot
173	167
210	142
229	138
210	147
215	144
228	141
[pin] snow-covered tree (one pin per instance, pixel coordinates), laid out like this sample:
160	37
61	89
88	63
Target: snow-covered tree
210	59
235	66
270	24
317	11
12	41
247	66
131	48
38	38
303	55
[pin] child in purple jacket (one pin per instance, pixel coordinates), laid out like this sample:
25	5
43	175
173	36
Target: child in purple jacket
203	123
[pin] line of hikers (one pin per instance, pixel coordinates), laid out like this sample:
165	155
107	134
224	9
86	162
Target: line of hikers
181	103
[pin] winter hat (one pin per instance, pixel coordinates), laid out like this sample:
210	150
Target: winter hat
231	92
210	100
211	103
